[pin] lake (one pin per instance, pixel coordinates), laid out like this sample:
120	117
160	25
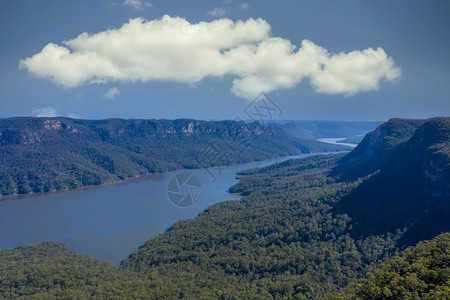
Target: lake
111	222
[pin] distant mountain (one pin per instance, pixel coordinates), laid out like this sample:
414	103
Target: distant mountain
50	154
409	187
325	129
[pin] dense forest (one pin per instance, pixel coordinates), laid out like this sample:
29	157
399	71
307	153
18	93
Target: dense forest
421	272
48	270
49	154
299	232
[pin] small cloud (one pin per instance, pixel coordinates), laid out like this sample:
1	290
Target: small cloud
137	4
49	112
244	6
217	12
112	93
73	116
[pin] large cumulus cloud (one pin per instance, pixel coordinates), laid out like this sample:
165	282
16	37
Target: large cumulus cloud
173	49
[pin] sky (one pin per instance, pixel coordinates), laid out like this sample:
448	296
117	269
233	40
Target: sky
317	60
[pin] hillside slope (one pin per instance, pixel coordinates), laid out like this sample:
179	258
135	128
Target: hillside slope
48	271
50	154
376	148
410	189
420	272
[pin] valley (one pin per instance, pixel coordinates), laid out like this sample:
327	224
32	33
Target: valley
302	229
225	149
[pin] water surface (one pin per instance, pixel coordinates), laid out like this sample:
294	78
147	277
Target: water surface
110	222
335	141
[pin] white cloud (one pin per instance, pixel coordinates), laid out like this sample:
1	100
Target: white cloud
73	116
137	4
172	49
49	112
112	93
244	6
217	12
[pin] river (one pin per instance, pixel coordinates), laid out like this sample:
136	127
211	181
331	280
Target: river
335	141
110	222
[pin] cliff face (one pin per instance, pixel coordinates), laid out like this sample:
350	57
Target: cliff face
25	131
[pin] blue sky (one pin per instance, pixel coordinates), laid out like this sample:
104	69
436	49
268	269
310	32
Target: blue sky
318	60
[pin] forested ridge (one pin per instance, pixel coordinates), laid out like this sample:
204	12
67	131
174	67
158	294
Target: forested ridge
409	180
49	154
297	233
421	272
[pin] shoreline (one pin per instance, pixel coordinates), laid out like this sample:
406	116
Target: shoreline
138	178
336	141
86	187
119	182
111	257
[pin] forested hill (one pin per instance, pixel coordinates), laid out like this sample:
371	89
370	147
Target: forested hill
49	154
420	272
408	185
376	148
